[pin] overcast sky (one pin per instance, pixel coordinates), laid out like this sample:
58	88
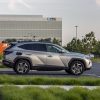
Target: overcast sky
84	13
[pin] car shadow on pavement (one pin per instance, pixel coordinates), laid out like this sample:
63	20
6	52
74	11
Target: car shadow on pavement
40	73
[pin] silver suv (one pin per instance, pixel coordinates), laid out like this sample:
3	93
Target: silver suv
26	56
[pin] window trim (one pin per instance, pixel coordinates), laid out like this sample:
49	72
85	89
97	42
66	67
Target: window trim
52	46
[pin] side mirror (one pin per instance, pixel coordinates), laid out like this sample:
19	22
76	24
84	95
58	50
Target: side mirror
91	55
62	51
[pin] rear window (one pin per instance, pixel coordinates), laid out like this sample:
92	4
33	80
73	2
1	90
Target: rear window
35	47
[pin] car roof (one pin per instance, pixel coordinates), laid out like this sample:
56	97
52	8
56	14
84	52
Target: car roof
21	43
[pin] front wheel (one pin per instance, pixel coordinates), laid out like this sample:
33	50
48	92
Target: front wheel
77	68
22	67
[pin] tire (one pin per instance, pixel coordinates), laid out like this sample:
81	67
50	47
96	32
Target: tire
76	68
22	67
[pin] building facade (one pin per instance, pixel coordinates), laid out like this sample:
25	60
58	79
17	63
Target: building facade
30	27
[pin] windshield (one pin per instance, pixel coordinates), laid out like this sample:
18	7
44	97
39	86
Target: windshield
62	49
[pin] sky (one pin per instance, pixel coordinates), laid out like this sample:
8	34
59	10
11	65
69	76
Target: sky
83	13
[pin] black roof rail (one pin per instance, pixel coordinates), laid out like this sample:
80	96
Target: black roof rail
25	41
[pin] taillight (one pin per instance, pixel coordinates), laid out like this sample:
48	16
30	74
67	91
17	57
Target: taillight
7	52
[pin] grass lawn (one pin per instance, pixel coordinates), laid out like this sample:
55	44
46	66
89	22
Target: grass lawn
35	80
33	93
1	66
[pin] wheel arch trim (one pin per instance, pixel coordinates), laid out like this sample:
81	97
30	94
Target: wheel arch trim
77	59
23	58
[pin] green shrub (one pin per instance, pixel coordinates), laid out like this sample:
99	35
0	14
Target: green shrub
95	94
82	92
2	66
1	56
30	80
35	93
12	93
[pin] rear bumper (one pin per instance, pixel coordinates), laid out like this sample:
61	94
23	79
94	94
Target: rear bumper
7	63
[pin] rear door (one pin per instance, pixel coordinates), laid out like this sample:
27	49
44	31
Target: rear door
36	52
39	54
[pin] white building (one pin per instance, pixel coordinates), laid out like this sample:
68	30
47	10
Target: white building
30	27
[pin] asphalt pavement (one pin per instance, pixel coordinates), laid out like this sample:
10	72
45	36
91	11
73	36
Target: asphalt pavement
95	71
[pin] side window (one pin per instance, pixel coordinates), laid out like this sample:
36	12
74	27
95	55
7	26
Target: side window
51	48
26	46
39	47
35	47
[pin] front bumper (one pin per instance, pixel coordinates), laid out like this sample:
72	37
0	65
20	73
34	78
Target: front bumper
88	68
7	63
88	64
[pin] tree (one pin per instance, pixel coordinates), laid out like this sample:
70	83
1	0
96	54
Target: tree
86	45
89	42
97	49
71	46
56	41
45	40
10	40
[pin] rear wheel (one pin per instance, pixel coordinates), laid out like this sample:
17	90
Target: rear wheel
76	68
22	67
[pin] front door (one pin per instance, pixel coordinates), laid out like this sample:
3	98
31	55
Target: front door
53	57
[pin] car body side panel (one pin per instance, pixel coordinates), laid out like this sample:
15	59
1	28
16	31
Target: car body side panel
54	59
10	57
65	59
37	58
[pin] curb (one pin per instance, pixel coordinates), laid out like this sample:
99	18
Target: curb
54	86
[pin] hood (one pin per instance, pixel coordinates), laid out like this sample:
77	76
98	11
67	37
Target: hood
79	55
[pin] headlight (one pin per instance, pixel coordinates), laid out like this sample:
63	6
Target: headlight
88	61
89	56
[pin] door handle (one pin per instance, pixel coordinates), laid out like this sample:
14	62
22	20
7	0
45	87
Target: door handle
50	56
18	53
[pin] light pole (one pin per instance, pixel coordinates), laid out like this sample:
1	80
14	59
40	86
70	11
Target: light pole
76	34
